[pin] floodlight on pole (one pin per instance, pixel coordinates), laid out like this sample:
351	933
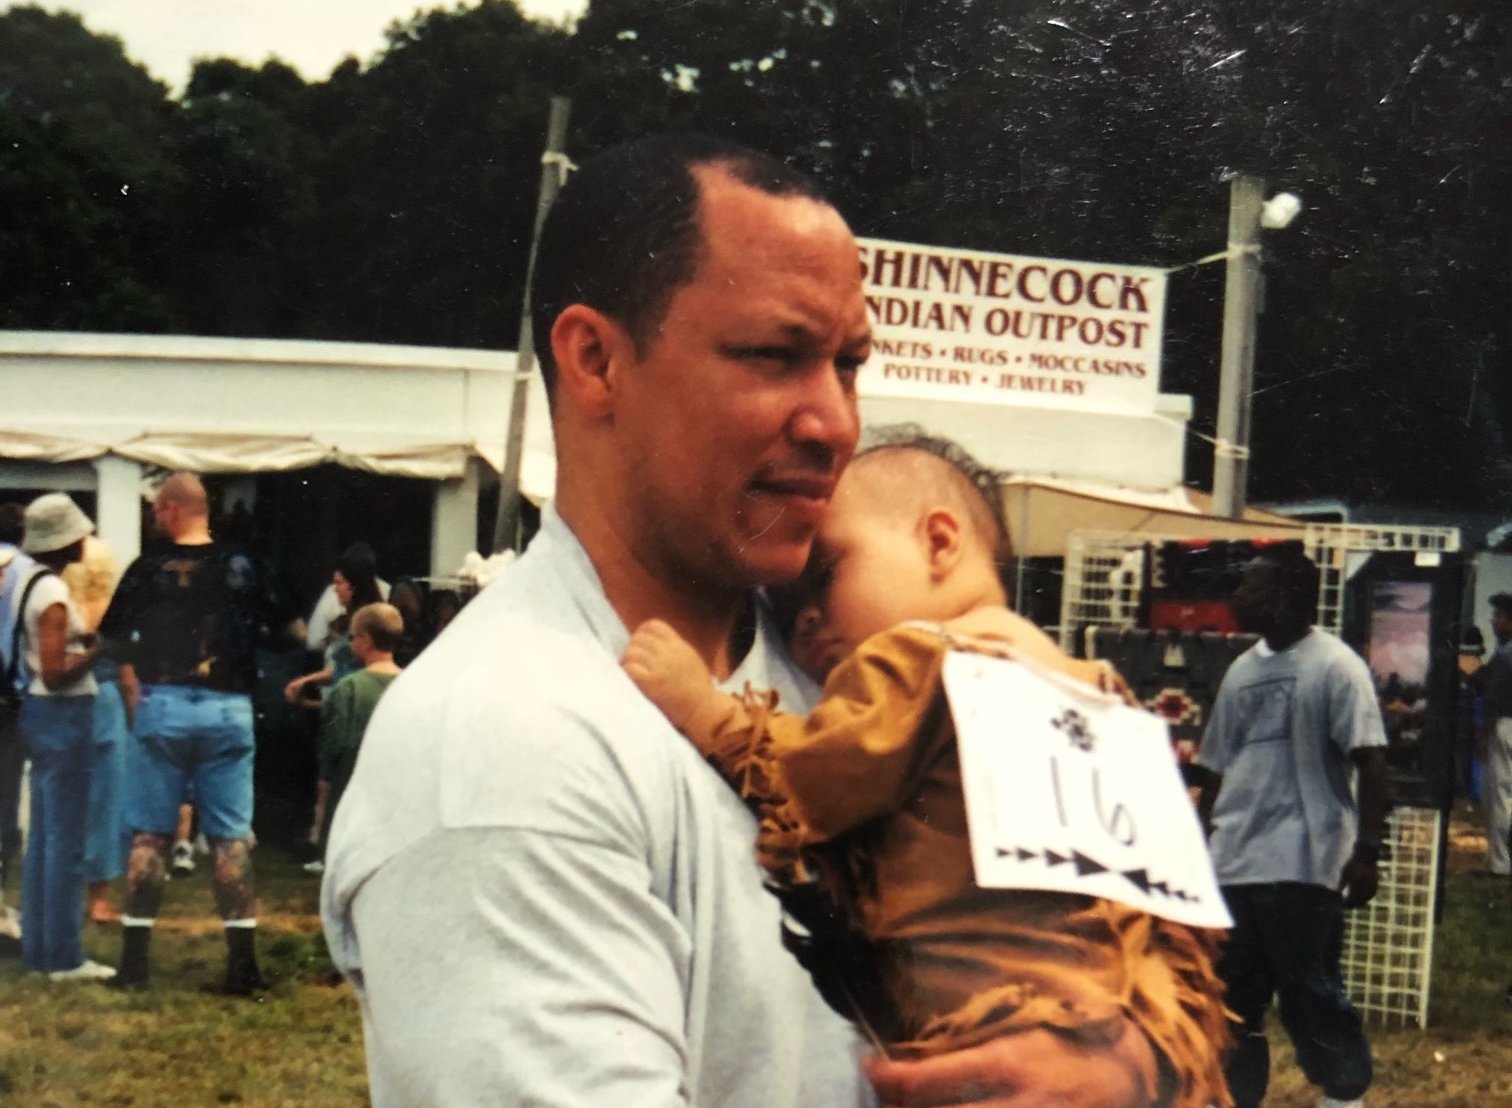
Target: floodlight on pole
1277	213
1242	296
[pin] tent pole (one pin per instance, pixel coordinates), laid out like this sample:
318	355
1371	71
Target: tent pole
1241	305
553	173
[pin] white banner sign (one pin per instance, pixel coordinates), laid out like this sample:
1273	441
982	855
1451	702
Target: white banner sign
1000	328
1070	790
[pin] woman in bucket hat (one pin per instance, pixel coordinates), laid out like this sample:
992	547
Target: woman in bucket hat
57	726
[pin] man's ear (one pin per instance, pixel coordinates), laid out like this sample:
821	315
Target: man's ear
942	535
590	350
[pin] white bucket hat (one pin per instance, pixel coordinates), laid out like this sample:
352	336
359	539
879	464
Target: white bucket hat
54	521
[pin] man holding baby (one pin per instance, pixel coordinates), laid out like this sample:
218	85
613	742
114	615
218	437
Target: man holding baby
541	891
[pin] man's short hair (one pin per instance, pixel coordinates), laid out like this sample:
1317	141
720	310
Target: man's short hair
623	236
381	623
1296	570
1502	602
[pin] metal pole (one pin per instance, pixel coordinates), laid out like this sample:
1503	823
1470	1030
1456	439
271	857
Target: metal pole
553	172
1241	306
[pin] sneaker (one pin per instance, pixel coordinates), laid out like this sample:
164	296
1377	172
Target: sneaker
1331	1102
201	845
183	859
86	970
315	867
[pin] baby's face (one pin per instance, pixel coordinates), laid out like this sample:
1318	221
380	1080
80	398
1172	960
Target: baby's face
869	571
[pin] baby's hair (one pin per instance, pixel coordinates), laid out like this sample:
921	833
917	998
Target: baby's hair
979	495
381	623
960	482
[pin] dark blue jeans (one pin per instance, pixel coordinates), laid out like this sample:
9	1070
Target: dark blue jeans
1286	944
59	734
12	765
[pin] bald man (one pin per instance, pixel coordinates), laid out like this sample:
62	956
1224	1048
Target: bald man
185	624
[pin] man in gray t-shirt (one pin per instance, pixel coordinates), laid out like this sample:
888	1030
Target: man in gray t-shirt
1295	725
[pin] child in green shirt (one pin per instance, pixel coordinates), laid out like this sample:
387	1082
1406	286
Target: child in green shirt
376	631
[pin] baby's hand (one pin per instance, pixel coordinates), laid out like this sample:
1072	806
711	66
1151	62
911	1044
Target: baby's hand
668	671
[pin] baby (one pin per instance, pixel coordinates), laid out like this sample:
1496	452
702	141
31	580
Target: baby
861	800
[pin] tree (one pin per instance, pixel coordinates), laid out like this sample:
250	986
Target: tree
83	183
246	166
426	189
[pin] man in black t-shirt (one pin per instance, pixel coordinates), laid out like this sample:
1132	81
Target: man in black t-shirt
185	623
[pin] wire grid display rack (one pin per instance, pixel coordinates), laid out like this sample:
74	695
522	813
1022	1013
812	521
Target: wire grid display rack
1388	945
1101	587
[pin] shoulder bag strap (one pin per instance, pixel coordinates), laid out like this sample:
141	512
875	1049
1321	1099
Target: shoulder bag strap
13	663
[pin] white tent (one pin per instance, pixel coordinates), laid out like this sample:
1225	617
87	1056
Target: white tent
93	411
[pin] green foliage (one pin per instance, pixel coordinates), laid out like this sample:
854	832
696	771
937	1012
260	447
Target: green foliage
394	200
82	176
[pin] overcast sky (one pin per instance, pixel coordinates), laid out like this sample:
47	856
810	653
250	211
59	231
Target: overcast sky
311	35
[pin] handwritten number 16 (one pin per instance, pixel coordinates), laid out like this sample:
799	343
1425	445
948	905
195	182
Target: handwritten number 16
1118	823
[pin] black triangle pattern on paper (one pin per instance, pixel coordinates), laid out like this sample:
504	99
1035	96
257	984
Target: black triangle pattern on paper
1018	852
1087	866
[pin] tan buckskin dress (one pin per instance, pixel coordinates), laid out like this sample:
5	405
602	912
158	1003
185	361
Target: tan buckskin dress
865	795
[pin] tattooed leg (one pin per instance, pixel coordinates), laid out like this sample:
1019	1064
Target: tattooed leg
235	896
145	872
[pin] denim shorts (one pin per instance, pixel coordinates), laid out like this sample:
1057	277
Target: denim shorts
191	742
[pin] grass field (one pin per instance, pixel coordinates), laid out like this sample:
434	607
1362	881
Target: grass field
300	1046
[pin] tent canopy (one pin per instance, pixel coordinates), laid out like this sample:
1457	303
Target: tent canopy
255	405
1042	513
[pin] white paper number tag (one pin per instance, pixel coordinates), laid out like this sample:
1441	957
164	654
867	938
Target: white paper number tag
1076	792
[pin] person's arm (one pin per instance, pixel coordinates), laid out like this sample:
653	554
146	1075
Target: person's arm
294	690
117	636
1213	754
669	672
1356	728
527	951
854	757
506	966
1209	785
1361	877
57	667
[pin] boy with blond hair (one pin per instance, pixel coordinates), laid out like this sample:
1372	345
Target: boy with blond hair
376	632
862	799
